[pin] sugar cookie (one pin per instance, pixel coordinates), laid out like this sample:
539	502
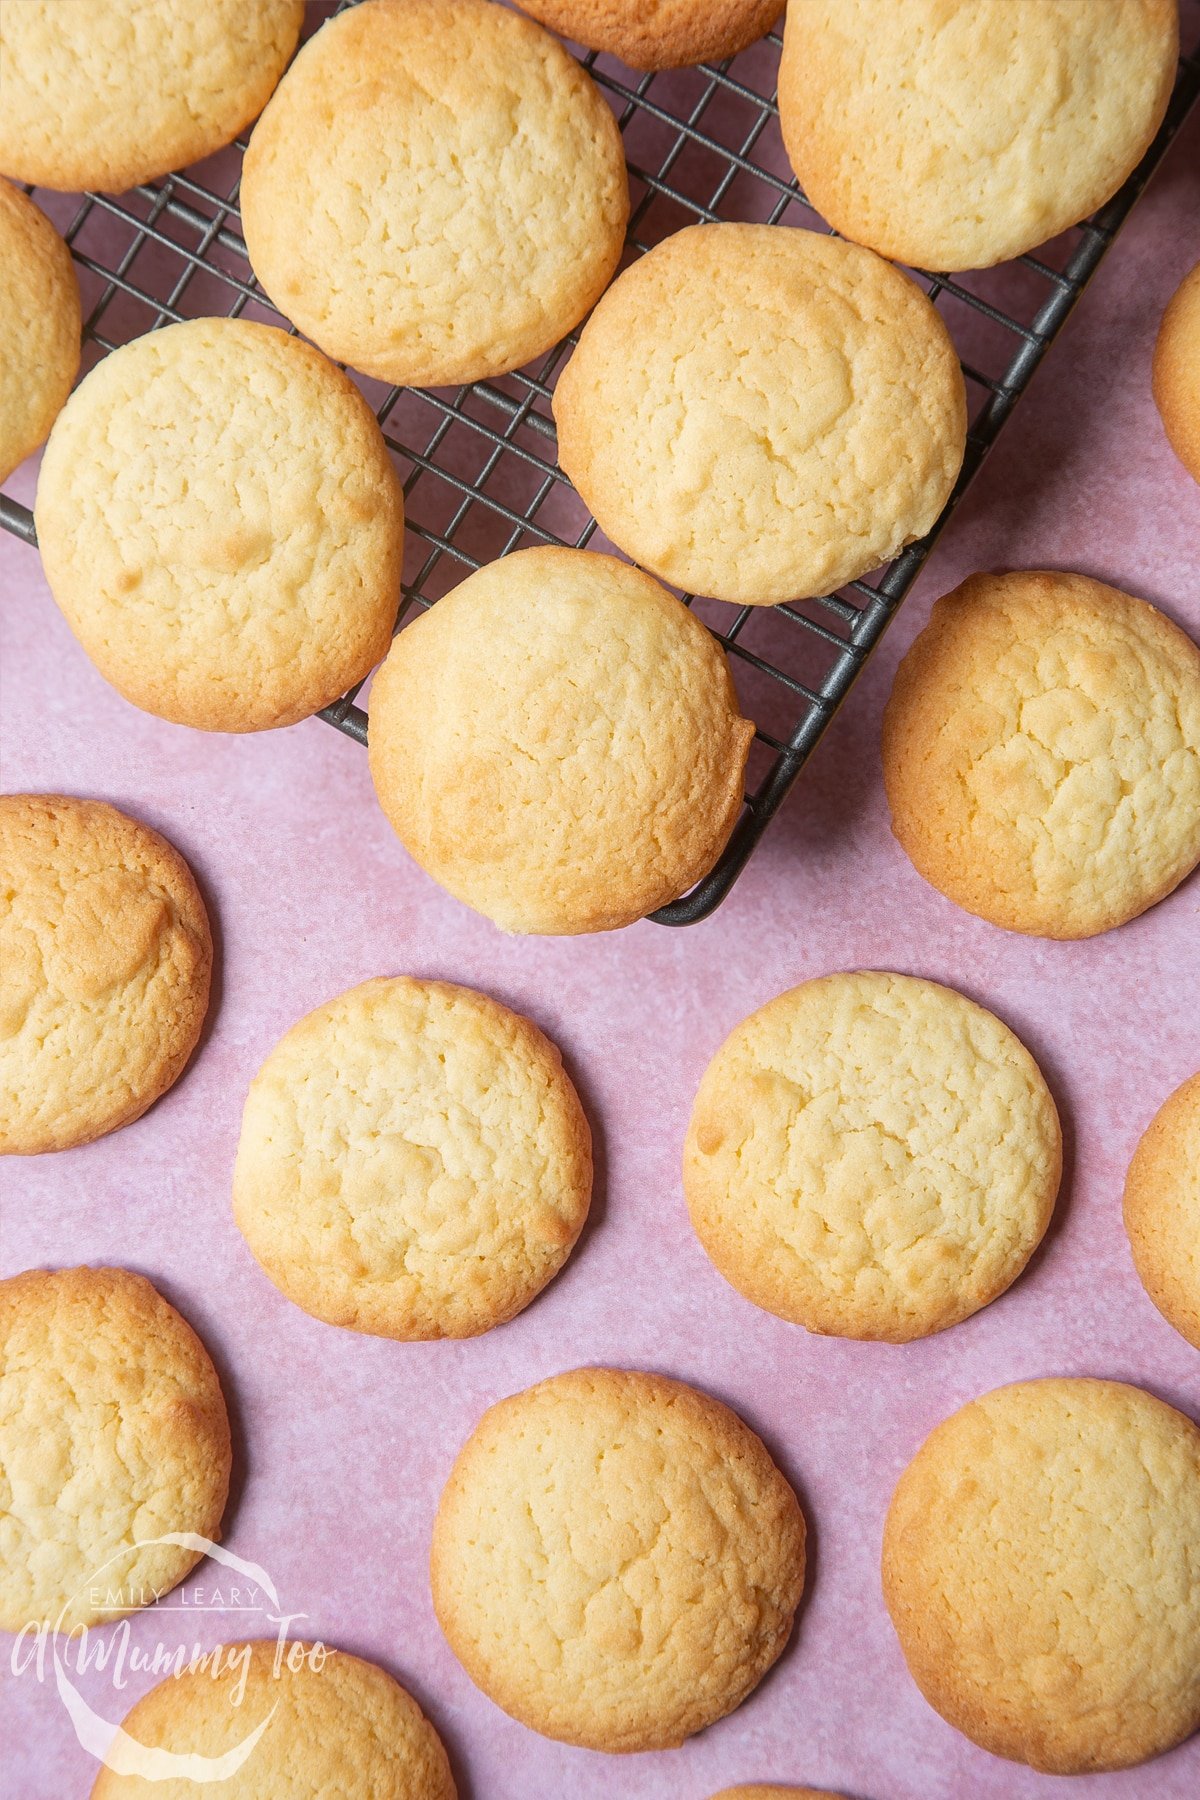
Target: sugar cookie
1162	1210
39	326
667	34
413	1162
616	1559
1176	373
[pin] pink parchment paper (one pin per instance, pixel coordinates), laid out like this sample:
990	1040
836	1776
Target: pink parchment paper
343	1442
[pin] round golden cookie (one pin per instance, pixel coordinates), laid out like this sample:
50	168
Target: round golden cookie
414	1162
1041	753
113	1436
558	743
666	34
952	134
765	1791
760	413
107	954
1176	375
616	1559
437	192
334	1724
39	326
872	1156
1162	1210
1039	1564
222	525
110	93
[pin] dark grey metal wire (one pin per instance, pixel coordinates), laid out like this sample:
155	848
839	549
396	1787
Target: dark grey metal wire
510	420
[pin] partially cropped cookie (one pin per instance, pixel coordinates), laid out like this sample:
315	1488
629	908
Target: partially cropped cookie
952	134
760	413
616	1559
107	954
1039	1564
109	93
1177	373
437	192
222	525
872	1156
667	34
334	1724
39	326
1041	753
414	1161
760	1792
1162	1210
113	1436
558	743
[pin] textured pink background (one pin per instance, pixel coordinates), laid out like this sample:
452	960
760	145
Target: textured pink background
343	1442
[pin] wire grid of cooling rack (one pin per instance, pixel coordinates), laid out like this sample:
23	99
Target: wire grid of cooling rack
481	477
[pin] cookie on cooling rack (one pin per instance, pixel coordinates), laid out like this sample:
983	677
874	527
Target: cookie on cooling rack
437	193
673	34
104	94
872	1156
39	326
333	1724
1039	1567
1162	1210
1041	753
1177	373
106	952
953	134
558	743
222	525
113	1436
760	413
638	1527
414	1162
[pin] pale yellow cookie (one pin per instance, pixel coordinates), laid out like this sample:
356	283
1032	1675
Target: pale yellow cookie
113	1437
1162	1210
872	1156
414	1161
760	413
1041	753
660	34
437	192
558	743
222	525
334	1726
1039	1564
1176	374
952	134
39	326
761	1791
616	1559
106	955
110	93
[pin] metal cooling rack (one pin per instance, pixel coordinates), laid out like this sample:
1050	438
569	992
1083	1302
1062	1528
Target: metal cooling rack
479	462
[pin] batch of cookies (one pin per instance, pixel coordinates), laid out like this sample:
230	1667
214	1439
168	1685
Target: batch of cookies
435	194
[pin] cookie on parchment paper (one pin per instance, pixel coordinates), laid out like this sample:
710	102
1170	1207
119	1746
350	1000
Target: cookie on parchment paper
660	34
39	326
1177	372
616	1559
1162	1209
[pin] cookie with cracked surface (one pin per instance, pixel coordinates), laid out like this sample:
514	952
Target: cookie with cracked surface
113	1434
872	1156
760	413
953	134
558	743
1041	753
107	957
147	85
1162	1210
1039	1567
664	34
39	326
1176	375
335	1724
616	1559
437	192
222	525
414	1161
